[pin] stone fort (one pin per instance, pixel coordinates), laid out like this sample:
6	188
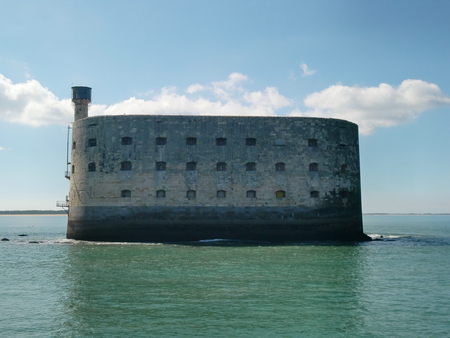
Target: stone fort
160	178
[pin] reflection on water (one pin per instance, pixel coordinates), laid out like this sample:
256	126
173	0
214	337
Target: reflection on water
212	291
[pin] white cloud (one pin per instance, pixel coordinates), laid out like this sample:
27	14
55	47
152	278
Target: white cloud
225	89
195	88
1	148
227	97
373	107
171	103
370	107
32	104
306	70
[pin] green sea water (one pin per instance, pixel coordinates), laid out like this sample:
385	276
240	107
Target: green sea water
395	286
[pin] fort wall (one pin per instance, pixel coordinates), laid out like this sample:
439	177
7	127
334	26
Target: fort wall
193	177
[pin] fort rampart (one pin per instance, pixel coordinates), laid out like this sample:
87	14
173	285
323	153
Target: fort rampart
188	178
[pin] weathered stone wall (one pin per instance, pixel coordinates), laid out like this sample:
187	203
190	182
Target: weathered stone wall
318	166
278	140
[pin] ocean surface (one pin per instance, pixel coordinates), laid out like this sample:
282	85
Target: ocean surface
395	286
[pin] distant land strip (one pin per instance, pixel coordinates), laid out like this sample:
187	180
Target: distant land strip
32	212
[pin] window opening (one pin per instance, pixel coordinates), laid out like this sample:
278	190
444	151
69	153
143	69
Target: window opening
312	142
127	141
161	193
160	141
314	194
314	167
222	166
92	142
91	166
221	194
221	141
280	194
250	141
191	194
280	166
251	194
125	165
160	166
191	141
251	166
190	166
125	193
74	145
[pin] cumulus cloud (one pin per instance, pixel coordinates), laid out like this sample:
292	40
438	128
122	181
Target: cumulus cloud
195	88
31	103
372	107
306	70
259	103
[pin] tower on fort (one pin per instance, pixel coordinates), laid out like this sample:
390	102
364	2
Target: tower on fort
81	98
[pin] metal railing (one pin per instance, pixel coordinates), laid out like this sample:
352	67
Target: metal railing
62	204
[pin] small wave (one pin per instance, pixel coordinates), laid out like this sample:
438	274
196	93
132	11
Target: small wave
378	237
214	240
225	242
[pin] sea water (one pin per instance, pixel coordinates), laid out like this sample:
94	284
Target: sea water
395	286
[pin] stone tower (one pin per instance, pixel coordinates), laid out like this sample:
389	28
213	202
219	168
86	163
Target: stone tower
81	97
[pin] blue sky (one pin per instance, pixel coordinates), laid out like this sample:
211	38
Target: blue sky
381	64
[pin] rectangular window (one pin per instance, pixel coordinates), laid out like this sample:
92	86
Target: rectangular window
250	141
125	165
190	166
160	141
251	166
221	194
160	166
221	141
280	194
127	141
312	142
251	194
191	141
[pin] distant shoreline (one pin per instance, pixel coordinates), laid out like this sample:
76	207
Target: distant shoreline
1	215
32	212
